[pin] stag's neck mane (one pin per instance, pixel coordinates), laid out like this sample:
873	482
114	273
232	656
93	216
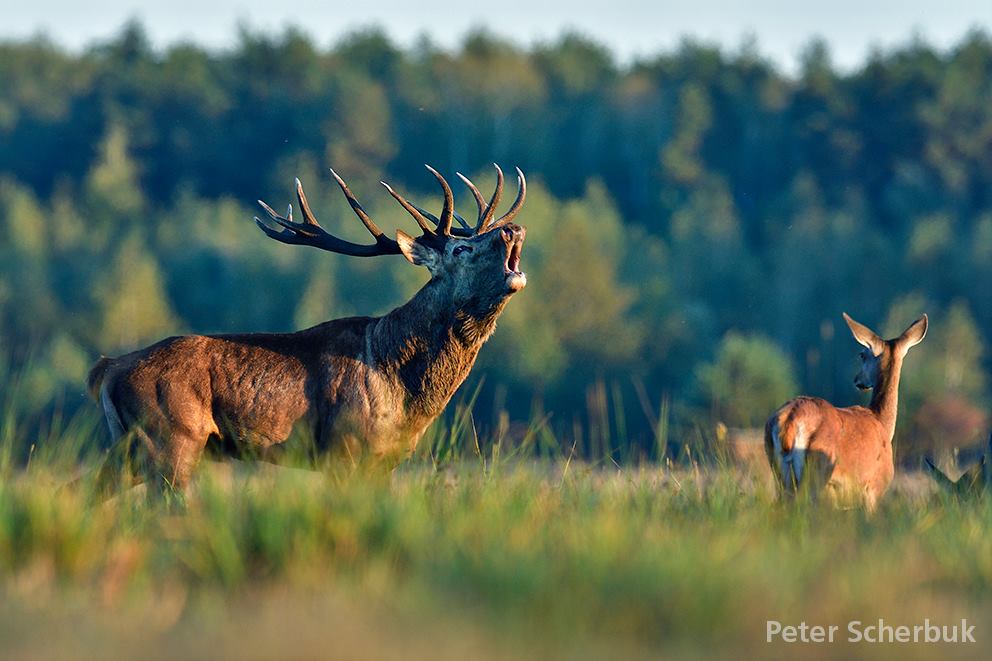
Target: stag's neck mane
431	344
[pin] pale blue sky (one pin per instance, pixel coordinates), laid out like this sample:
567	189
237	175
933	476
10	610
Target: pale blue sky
630	27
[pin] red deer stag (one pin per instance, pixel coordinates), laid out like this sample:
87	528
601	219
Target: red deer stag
363	386
847	451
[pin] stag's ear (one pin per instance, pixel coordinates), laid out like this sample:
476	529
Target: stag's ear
415	251
865	336
914	334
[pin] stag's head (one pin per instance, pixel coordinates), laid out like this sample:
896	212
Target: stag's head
474	264
479	262
879	357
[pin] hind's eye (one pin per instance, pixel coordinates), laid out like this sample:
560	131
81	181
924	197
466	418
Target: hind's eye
460	249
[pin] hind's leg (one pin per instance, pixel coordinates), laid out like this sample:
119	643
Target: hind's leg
774	464
816	476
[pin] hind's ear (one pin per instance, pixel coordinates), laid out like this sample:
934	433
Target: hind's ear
865	336
914	334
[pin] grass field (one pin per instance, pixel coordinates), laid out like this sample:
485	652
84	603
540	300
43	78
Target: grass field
469	554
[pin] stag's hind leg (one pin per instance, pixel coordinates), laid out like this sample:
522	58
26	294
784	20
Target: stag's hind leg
127	463
162	448
183	452
136	459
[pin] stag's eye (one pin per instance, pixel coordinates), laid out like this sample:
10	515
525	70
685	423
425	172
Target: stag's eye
460	249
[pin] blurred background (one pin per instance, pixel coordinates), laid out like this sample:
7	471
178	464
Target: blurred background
709	189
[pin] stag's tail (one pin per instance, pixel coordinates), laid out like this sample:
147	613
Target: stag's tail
95	379
97	384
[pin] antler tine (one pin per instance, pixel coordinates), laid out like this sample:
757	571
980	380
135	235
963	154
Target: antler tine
464	231
355	205
447	212
486	210
310	233
308	216
479	199
494	200
517	203
410	209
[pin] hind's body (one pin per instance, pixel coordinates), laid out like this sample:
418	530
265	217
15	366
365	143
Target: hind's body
815	446
844	451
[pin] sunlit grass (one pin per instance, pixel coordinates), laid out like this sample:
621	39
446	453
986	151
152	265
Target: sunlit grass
476	546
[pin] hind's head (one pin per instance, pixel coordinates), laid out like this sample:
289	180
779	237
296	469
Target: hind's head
880	357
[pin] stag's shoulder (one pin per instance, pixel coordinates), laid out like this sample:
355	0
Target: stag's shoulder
339	336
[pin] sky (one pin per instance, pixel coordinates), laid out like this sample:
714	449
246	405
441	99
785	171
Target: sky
629	27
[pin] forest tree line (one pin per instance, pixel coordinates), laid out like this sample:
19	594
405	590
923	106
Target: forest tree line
697	220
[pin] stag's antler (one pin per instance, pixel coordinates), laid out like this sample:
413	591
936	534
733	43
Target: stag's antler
309	232
488	210
517	203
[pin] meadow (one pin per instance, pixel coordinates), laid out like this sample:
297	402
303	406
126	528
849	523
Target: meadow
469	549
697	221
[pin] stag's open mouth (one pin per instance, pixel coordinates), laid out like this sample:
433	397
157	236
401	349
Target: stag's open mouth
515	278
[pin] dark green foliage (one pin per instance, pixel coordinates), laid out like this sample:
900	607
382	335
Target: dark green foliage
673	199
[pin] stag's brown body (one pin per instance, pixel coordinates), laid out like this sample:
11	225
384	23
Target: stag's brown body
364	387
847	451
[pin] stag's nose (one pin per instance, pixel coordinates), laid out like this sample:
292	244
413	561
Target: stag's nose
512	232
